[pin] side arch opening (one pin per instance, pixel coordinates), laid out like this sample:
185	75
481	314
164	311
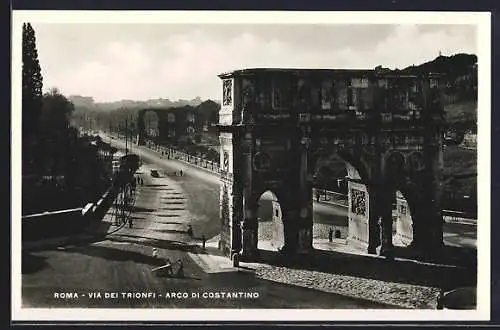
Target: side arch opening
270	222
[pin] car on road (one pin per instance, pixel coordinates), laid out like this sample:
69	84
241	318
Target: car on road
155	174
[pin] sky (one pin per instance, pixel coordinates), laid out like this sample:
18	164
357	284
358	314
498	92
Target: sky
138	61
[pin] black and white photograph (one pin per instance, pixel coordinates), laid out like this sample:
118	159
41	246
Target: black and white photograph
250	165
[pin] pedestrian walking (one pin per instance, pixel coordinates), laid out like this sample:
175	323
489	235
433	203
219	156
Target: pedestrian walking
203	240
317	196
330	235
155	253
130	223
190	231
180	172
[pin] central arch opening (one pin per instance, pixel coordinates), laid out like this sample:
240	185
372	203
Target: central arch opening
334	175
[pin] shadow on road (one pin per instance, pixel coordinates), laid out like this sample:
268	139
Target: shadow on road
170	231
153	242
140	209
271	293
31	263
111	253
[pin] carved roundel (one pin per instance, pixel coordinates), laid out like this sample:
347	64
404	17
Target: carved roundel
415	162
262	162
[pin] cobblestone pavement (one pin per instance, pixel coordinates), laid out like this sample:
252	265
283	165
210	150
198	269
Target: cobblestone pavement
402	295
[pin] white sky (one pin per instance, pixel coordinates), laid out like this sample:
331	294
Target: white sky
112	62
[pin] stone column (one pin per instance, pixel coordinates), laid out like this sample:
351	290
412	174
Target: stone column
305	214
430	225
249	232
290	228
249	225
374	240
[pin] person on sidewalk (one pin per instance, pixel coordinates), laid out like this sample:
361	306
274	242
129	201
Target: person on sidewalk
317	196
203	241
330	235
190	231
180	270
180	172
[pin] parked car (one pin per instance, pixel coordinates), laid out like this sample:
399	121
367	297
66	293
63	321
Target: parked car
459	298
155	174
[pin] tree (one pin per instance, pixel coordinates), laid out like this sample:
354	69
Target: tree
55	114
54	133
32	82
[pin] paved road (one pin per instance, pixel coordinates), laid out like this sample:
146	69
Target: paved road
324	214
122	263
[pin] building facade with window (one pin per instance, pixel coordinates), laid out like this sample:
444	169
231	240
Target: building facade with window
173	125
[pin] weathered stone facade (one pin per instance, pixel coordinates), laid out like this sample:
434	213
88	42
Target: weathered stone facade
276	123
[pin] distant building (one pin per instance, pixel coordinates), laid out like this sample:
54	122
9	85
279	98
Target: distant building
172	125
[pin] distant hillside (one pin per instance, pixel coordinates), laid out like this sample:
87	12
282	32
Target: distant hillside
460	72
454	66
88	103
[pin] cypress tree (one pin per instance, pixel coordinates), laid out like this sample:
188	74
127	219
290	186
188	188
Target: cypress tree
32	82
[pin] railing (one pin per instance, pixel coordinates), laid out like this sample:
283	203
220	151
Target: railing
332	197
199	162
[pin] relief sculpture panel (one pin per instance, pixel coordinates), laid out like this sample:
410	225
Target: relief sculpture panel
358	205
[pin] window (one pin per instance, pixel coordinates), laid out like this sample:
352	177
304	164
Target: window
171	132
171	118
190	130
352	98
327	95
359	82
190	117
281	94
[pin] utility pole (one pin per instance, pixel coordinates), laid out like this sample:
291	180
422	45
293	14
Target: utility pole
126	136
